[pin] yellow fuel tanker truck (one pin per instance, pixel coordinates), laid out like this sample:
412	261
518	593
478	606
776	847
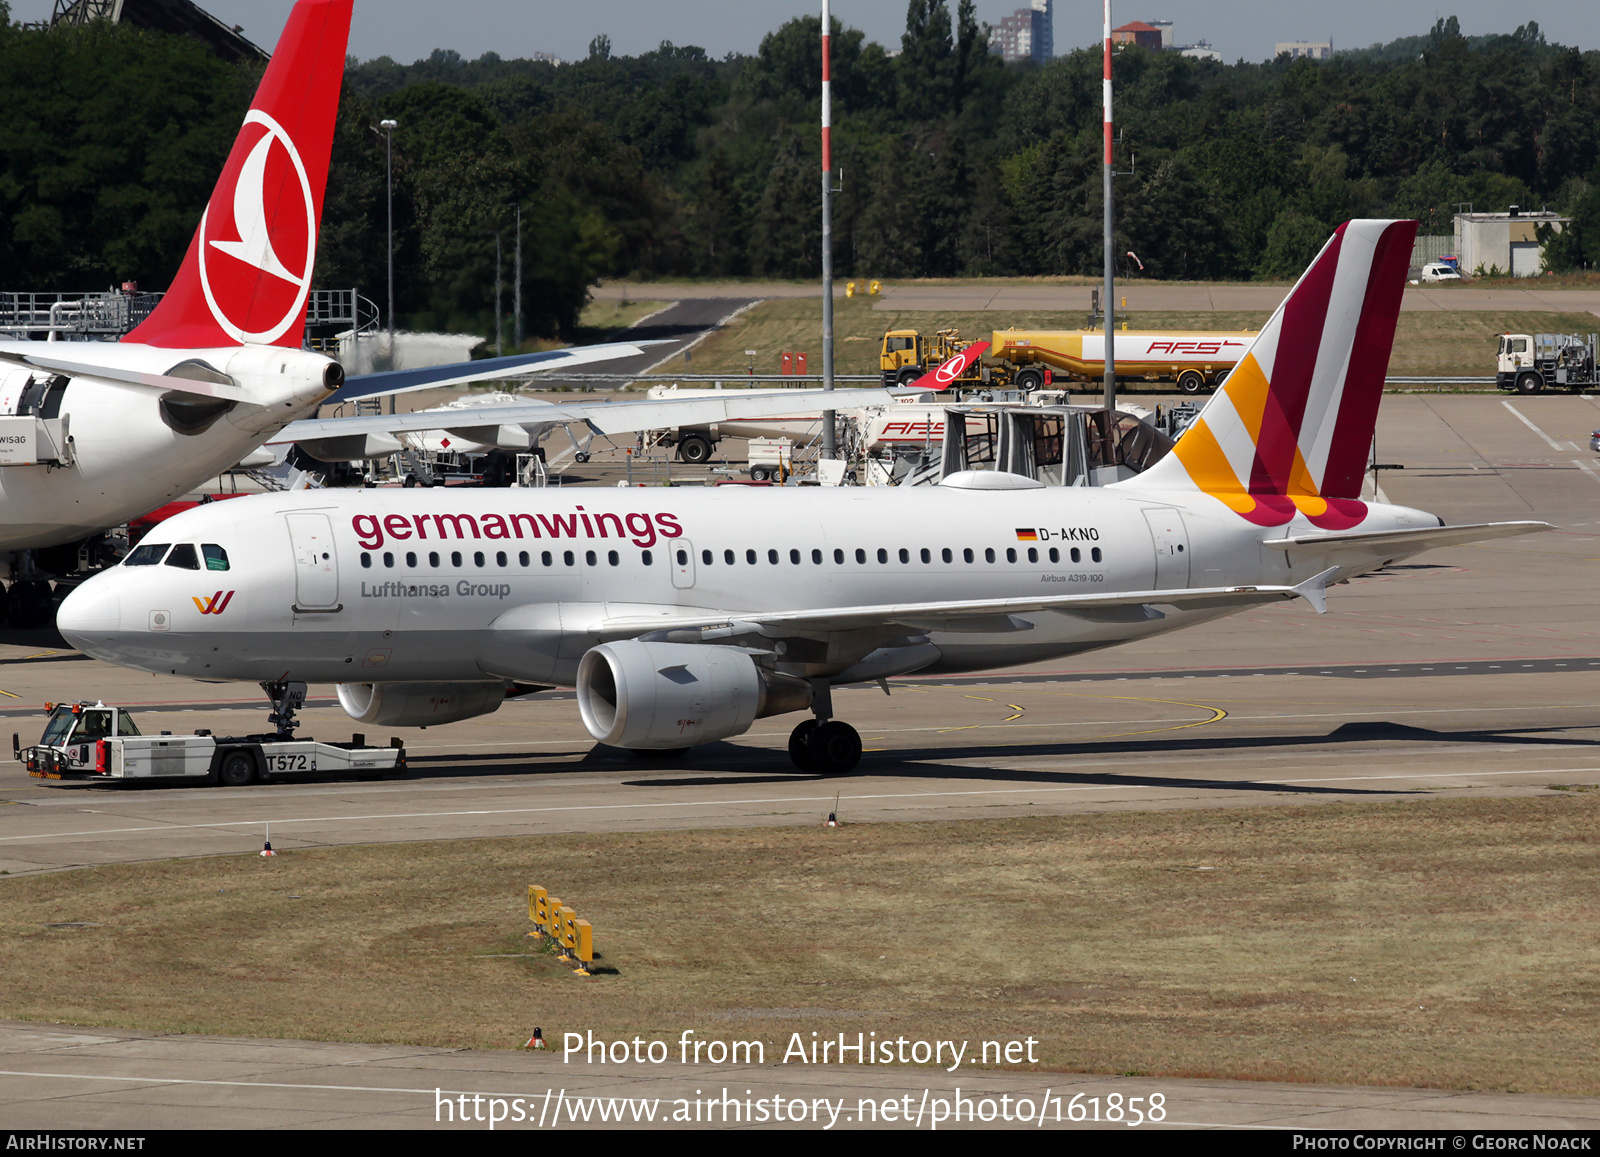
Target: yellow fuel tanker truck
1019	358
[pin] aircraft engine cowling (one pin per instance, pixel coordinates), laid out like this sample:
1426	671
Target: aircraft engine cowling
664	696
419	704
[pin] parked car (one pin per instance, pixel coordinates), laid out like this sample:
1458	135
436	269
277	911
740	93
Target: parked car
1439	271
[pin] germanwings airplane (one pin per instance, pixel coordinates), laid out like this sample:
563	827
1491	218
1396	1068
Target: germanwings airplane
682	616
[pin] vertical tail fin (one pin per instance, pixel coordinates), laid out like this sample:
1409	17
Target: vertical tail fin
1291	428
247	274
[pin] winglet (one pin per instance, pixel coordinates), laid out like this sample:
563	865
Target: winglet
1315	589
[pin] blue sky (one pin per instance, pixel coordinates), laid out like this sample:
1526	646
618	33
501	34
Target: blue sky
408	29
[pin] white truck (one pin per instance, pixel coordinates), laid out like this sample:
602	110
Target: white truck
91	741
1528	363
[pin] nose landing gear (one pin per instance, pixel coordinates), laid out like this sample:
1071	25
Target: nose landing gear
823	744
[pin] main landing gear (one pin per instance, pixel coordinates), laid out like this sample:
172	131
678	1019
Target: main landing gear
824	745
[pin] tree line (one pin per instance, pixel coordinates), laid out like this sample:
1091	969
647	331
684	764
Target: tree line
673	164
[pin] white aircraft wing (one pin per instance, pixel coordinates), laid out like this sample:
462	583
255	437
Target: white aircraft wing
489	369
603	417
973	614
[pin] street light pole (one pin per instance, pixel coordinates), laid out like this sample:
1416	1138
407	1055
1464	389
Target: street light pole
388	128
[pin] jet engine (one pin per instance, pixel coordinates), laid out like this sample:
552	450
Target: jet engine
665	696
419	704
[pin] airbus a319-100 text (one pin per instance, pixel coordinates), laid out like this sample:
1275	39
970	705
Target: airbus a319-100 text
681	617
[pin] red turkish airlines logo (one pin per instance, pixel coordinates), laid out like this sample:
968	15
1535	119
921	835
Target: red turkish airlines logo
258	240
215	605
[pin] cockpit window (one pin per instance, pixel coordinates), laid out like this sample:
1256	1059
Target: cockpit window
216	558
183	555
147	554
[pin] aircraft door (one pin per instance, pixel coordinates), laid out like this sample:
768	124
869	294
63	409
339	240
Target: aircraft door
1171	540
316	563
682	563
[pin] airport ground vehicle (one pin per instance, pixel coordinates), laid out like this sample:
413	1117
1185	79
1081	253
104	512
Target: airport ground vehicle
91	741
1436	271
1527	363
1028	359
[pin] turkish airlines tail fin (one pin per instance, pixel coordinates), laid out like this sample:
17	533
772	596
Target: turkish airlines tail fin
1292	427
247	275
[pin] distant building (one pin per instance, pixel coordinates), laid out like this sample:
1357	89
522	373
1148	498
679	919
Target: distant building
1200	50
1140	33
1505	241
1027	34
546	57
1165	28
1306	49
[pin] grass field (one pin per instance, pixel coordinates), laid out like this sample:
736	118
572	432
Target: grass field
1452	343
1444	943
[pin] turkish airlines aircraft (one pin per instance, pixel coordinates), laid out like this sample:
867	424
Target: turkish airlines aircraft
217	368
682	616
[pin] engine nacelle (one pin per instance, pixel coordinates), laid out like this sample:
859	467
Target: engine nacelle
663	696
419	704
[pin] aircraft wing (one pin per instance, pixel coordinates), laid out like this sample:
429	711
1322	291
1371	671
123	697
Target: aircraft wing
489	369
603	417
976	614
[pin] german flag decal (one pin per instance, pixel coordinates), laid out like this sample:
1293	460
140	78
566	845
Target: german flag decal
1027	534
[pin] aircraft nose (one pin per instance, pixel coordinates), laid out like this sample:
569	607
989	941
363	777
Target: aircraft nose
89	614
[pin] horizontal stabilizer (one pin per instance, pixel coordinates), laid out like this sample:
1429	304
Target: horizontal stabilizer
221	390
1381	542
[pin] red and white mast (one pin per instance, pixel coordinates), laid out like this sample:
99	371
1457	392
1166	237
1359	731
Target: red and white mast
829	445
1107	302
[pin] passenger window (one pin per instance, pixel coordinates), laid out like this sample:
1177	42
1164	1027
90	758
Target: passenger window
523	559
706	556
567	558
147	555
1011	554
1033	554
966	554
216	558
646	557
589	558
728	557
411	558
1095	554
861	555
1077	555
946	555
546	559
612	557
816	556
988	554
183	555
1055	555
455	558
905	555
500	558
683	557
366	560
433	558
883	555
772	557
750	557
927	555
794	557
388	558
477	558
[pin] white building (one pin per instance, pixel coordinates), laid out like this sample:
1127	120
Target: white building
1308	49
1504	241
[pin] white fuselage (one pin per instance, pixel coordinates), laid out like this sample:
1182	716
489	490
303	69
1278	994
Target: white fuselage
128	456
374	586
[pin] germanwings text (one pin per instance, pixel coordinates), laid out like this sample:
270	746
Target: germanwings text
641	529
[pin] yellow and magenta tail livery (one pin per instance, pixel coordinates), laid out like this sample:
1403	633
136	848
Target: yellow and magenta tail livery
1291	429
